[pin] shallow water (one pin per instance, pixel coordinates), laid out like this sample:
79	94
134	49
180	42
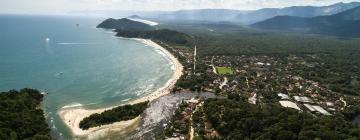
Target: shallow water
79	66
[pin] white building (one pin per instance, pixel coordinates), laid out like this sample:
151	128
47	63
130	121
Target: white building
303	99
283	96
316	108
289	104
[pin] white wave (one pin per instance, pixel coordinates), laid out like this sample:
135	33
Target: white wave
72	105
125	100
173	67
161	53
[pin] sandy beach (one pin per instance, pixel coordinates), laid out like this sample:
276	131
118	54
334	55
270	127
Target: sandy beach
72	116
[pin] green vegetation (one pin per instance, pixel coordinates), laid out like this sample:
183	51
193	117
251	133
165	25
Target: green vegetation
241	120
121	113
224	70
21	117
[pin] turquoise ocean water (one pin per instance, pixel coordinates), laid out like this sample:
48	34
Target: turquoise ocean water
77	64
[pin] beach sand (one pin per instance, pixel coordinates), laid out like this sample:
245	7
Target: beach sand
72	116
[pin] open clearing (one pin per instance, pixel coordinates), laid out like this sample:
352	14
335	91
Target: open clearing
224	70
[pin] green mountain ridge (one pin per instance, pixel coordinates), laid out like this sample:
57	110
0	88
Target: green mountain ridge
344	24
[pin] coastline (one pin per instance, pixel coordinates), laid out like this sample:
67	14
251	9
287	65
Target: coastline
72	116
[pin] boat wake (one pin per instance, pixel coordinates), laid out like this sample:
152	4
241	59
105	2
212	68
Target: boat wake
71	43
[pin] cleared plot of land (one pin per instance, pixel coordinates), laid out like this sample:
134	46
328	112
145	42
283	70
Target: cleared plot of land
224	70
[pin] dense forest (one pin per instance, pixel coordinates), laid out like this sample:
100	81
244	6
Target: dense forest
21	117
121	113
237	119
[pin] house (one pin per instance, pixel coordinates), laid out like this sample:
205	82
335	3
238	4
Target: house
289	104
193	101
316	108
321	110
302	99
283	96
310	107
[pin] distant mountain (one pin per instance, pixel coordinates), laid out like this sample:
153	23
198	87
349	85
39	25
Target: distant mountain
214	15
124	24
135	16
249	17
352	14
298	11
346	23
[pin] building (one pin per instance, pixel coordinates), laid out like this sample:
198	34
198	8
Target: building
316	108
283	96
289	104
303	99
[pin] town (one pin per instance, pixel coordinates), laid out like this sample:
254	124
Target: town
260	79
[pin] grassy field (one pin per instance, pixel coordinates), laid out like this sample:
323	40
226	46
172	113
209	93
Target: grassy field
224	70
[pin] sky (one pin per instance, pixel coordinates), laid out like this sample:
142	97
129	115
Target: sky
65	6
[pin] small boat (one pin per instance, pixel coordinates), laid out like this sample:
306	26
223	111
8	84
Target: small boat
59	74
47	39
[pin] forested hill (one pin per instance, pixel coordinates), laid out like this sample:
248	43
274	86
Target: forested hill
124	24
345	24
21	117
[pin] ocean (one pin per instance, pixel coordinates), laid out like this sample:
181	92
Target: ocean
76	63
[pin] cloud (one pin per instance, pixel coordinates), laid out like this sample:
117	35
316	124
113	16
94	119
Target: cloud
61	6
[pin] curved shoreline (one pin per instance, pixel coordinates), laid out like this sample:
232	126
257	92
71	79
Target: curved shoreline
72	116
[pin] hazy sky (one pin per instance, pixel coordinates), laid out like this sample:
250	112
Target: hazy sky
63	6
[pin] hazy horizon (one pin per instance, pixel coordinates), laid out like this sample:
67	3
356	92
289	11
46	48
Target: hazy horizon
68	6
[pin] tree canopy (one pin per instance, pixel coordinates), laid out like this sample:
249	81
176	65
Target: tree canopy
21	116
